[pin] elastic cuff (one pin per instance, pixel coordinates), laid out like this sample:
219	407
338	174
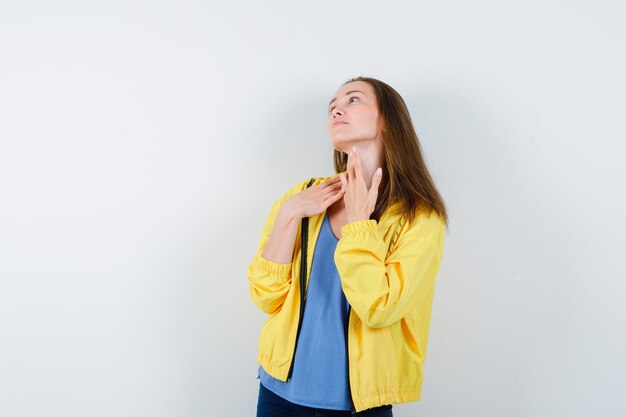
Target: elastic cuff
273	268
359	226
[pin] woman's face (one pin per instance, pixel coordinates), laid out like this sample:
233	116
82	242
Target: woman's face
353	116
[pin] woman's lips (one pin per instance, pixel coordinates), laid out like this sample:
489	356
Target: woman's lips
339	124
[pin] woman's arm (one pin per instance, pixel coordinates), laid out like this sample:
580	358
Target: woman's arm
280	244
384	290
269	272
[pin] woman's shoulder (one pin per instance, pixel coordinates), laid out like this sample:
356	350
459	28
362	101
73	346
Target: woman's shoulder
310	181
319	180
424	220
302	184
427	223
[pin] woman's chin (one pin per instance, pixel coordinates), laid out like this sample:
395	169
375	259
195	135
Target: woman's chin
342	144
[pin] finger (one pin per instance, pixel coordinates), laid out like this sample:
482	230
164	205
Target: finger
329	185
332	188
344	182
328	202
375	185
349	165
339	192
330	182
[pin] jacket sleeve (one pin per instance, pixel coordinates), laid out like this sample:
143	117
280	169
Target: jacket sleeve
382	291
270	281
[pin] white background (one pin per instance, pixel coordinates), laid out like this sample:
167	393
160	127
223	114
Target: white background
142	144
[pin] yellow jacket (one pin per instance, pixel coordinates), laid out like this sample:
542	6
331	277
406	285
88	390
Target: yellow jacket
387	271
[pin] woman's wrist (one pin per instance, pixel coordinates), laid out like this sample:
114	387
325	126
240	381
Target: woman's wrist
289	213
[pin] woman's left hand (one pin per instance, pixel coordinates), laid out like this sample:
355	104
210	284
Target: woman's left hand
360	202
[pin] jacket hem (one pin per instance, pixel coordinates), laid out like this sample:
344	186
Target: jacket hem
360	403
273	370
376	400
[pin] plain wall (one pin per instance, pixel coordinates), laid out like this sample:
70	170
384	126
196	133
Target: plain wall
142	144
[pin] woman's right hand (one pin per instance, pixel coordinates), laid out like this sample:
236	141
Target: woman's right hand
315	199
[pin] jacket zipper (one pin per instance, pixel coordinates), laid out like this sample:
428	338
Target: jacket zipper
352	409
303	290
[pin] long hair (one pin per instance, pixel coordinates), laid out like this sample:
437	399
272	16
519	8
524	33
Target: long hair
406	179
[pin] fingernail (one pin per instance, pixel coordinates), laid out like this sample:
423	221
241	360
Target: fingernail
353	149
379	171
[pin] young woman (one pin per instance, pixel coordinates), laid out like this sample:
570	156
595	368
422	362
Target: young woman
352	339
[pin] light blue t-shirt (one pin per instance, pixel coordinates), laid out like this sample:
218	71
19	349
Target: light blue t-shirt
320	376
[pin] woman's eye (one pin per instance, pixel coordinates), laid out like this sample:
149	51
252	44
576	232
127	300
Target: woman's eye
349	101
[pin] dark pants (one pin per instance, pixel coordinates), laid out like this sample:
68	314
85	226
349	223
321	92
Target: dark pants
272	405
